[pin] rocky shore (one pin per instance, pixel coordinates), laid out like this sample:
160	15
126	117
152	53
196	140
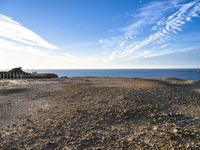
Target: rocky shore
99	113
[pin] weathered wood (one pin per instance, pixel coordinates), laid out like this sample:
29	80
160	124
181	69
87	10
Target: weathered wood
18	73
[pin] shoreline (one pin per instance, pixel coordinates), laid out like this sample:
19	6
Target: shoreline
183	74
100	112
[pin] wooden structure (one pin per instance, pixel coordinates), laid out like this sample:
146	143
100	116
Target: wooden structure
18	73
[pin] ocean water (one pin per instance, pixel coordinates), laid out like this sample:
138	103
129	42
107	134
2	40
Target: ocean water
186	74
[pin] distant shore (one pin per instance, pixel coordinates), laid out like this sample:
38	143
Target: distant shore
91	112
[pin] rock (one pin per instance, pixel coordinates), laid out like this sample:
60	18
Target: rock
43	76
16	70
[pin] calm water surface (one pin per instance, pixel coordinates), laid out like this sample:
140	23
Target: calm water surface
187	74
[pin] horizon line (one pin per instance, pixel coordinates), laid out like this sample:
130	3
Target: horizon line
105	68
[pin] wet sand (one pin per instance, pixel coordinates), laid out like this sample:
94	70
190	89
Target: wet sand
99	113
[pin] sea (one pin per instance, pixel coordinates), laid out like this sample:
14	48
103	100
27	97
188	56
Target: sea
185	74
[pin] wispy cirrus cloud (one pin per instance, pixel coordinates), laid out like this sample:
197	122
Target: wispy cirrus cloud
157	21
17	40
149	35
15	32
148	15
20	46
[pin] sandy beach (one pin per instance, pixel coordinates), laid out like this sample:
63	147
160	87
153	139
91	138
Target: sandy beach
99	113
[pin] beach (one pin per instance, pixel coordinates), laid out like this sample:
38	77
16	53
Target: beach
99	113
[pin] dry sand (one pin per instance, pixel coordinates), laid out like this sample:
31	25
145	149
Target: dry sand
99	113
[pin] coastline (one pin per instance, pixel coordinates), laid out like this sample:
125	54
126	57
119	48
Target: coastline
96	112
179	73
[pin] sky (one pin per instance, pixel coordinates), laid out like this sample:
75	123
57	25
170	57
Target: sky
99	34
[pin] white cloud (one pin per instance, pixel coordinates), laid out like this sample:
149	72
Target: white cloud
19	46
14	31
148	15
126	48
164	46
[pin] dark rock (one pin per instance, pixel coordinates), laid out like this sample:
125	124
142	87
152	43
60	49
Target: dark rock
43	76
16	70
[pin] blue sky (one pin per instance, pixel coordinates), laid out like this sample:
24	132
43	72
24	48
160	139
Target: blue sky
99	34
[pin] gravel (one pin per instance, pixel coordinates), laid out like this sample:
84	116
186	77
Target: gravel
100	113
